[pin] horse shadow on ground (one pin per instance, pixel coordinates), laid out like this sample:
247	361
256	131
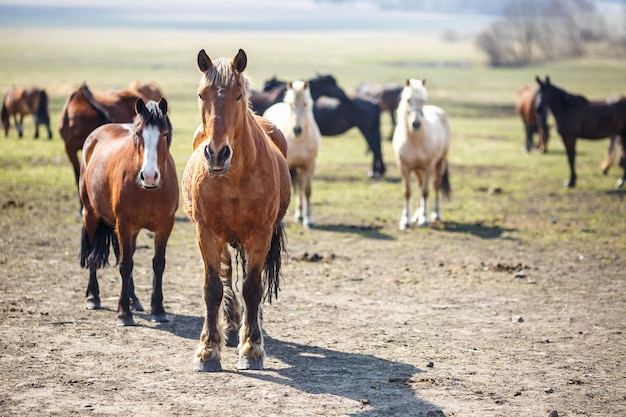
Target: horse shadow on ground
369	232
382	386
479	229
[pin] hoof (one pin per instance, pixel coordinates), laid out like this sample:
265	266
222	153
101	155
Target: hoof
93	305
159	318
232	339
248	363
135	305
208	366
126	321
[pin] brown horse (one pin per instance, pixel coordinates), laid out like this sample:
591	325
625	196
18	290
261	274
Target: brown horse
84	111
236	189
534	118
22	101
577	117
127	183
149	89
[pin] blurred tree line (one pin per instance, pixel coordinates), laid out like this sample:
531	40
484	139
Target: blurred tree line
533	30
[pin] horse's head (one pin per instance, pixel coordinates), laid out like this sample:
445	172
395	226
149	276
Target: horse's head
223	98
412	101
298	96
273	83
153	136
326	85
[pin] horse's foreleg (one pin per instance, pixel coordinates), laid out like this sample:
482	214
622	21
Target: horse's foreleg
420	215
92	295
18	125
158	266
610	155
297	178
570	147
232	308
127	245
251	350
208	354
406	210
622	162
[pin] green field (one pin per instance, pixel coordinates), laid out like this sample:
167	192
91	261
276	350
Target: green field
487	138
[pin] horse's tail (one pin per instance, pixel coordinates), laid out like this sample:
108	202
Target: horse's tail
445	182
97	106
273	261
41	112
98	255
5	116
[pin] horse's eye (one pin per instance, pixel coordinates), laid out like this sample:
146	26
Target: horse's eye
239	97
200	96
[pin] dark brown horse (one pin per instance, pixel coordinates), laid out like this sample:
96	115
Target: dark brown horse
127	183
236	189
387	95
534	117
22	101
84	111
262	100
577	117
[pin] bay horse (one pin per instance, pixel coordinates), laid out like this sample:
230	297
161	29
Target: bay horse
128	182
534	117
294	117
149	89
84	111
236	188
577	117
23	101
387	95
421	142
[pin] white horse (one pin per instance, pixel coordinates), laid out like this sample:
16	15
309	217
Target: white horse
421	141
294	117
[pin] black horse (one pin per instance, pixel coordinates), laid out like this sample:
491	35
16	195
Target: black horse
335	113
577	117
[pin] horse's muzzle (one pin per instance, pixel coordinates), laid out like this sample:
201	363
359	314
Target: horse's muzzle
218	162
297	130
416	124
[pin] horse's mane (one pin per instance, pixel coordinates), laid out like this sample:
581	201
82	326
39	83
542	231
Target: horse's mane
564	96
94	103
222	74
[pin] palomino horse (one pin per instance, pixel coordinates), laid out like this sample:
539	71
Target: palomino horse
387	95
84	111
294	117
577	117
421	141
534	117
236	189
127	183
22	101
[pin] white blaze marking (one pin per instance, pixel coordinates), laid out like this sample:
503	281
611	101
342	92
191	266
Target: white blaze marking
150	168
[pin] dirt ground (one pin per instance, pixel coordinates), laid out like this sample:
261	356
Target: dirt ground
454	320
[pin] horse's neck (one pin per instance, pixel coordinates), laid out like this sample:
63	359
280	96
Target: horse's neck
250	139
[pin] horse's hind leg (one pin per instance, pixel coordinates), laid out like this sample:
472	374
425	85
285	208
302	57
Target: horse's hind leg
610	155
232	308
18	125
307	179
622	162
529	138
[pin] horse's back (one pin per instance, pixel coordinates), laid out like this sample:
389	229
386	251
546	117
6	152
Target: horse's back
109	139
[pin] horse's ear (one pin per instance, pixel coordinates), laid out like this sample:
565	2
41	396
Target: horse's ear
240	61
163	105
139	106
424	82
306	85
204	62
538	80
289	85
548	79
407	82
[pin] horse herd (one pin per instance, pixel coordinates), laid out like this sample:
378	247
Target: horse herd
249	150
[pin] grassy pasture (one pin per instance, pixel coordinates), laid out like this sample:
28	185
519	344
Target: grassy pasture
487	135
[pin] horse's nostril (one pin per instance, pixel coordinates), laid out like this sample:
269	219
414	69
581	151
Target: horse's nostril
297	130
224	153
416	125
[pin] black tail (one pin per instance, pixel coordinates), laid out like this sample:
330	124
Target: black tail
445	183
98	255
5	117
41	113
273	261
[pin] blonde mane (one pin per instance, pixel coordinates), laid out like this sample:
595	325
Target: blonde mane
222	74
